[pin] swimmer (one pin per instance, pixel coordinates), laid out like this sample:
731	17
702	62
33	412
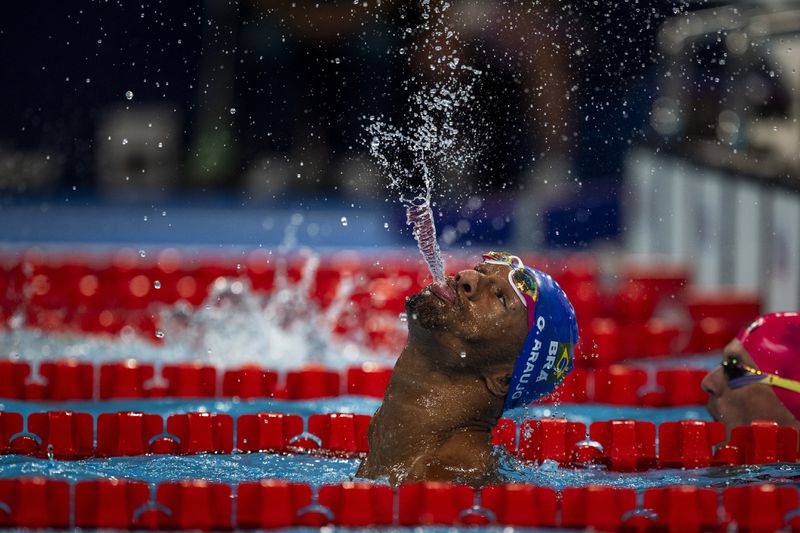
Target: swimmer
758	378
493	338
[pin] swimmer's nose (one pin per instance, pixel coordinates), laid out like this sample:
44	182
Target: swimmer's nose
713	383
467	281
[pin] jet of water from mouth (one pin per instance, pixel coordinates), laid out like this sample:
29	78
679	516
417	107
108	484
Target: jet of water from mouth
433	139
421	217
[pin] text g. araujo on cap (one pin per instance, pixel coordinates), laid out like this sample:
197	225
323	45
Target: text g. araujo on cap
547	355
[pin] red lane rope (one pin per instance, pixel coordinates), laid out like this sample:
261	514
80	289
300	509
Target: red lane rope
107	294
78	380
620	445
270	504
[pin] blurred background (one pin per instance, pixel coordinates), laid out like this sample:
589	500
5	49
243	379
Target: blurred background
655	128
195	216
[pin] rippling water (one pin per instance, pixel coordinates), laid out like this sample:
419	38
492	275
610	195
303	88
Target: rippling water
233	468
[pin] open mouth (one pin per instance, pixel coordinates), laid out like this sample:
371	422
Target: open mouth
444	292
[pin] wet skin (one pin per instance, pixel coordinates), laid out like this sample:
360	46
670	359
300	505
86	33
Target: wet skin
742	405
440	407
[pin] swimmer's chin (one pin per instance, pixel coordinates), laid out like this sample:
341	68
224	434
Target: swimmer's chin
425	310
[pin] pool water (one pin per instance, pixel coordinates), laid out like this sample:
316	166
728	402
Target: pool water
225	331
317	470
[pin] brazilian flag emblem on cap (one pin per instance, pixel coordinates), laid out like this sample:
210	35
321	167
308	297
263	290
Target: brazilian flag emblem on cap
561	366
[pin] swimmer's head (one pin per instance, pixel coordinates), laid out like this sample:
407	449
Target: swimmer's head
547	355
758	379
508	321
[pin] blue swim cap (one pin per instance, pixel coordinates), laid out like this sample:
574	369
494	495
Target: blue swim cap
547	355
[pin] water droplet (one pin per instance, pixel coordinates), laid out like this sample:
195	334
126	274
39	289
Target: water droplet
376	142
160	145
403	317
125	141
385	225
463	355
129	95
159	334
145	218
549	465
157	284
344	221
142	253
233	111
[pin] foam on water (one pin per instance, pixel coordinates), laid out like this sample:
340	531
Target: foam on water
237	325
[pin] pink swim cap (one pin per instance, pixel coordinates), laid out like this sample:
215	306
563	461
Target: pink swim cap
773	341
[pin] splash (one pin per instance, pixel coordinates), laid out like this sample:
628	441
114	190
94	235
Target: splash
286	326
433	140
235	325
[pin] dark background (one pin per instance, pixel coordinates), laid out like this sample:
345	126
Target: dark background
244	83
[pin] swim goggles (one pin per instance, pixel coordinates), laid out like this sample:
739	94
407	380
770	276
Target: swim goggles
740	374
521	279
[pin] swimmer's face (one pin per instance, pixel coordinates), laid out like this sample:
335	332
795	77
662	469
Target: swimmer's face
487	322
742	405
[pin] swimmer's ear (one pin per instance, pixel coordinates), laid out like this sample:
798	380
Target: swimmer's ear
498	383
